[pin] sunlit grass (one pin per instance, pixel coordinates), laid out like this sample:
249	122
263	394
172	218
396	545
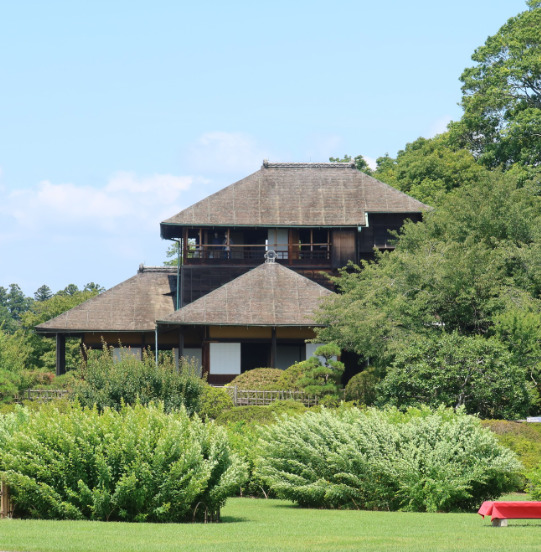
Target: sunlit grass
274	525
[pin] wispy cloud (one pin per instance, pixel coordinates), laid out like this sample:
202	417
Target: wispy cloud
127	202
226	153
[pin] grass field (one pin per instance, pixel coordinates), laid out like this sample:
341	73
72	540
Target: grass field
275	525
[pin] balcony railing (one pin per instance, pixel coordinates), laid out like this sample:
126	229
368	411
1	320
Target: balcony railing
314	253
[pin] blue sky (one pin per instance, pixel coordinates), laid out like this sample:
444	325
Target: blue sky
115	115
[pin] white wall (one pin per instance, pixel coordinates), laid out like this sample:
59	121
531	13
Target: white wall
224	358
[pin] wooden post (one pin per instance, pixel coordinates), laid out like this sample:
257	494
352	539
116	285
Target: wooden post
60	354
5	505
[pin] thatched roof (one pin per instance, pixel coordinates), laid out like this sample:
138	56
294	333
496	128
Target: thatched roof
132	306
269	295
296	194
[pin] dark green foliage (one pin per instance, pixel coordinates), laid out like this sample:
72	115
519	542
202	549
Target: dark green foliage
214	401
263	379
472	267
501	124
456	371
137	464
417	461
361	388
105	382
260	415
322	372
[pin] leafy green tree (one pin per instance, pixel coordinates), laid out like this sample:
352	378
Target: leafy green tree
501	124
428	169
43	349
14	354
471	371
458	270
360	162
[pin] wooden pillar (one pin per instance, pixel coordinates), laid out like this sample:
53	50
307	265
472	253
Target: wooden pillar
273	349
5	503
60	354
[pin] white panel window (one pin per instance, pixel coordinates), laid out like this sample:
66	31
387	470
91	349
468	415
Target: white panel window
287	355
278	241
224	358
311	349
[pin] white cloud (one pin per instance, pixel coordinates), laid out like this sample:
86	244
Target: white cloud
438	126
126	203
226	152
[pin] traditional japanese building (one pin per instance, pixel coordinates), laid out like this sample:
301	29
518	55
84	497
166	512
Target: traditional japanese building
224	304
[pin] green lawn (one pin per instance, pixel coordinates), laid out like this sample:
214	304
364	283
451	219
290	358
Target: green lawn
265	525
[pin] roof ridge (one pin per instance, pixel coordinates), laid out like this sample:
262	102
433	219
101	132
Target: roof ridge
268	165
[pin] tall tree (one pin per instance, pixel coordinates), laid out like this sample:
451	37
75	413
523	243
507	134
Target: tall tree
501	124
43	293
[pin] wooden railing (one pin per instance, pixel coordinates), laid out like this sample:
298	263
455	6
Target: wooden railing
249	397
311	252
44	395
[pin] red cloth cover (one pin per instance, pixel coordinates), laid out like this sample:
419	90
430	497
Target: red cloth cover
511	510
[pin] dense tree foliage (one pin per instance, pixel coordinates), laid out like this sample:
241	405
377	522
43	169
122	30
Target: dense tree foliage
472	267
428	169
501	98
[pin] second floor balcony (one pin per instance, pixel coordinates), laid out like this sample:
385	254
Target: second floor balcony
313	254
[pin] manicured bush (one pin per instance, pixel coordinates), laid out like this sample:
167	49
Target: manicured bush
263	379
214	401
261	415
106	382
417	461
135	464
289	378
361	388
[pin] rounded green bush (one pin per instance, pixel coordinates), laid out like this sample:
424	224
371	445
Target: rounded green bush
385	460
135	464
214	401
263	379
362	387
289	378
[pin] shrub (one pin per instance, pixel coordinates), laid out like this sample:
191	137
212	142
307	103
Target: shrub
105	382
418	461
362	387
289	378
263	379
261	415
214	401
322	377
135	464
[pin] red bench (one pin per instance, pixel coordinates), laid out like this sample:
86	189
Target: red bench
500	512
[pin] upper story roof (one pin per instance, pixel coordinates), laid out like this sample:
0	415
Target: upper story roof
296	194
132	306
